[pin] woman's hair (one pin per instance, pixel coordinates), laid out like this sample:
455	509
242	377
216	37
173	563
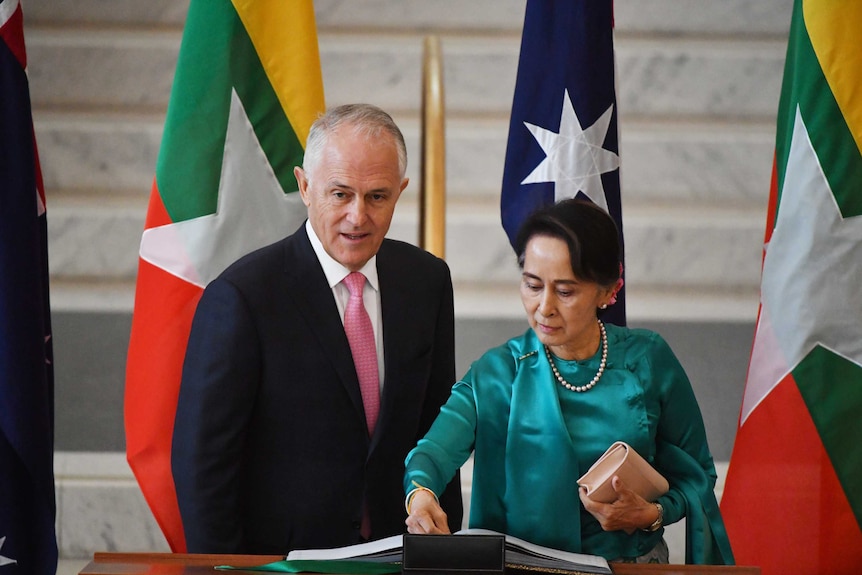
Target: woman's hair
588	231
368	120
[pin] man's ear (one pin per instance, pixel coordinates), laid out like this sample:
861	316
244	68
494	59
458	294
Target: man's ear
302	183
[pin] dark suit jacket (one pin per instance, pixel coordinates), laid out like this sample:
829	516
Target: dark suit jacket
270	448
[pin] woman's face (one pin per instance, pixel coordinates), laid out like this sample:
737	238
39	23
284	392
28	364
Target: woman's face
561	308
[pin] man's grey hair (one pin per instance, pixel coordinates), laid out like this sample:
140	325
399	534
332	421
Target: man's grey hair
368	120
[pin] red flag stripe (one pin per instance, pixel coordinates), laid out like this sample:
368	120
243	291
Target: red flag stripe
12	30
780	449
170	302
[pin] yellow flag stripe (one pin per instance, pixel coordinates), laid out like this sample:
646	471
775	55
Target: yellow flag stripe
834	27
285	37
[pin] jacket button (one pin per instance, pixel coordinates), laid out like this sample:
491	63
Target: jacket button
357	525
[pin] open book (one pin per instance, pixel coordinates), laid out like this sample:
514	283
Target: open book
519	554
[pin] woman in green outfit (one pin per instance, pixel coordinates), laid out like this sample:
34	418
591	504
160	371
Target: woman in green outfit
540	409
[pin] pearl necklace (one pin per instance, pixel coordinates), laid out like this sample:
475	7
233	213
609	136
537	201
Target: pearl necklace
595	380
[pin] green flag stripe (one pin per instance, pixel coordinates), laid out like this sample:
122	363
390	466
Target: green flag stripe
216	55
273	129
833	142
831	387
190	157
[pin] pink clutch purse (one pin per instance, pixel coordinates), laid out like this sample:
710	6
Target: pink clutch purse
623	461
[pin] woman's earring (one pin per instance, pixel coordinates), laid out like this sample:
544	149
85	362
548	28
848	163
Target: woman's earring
603	306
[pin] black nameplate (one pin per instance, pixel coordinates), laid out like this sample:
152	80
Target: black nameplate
455	554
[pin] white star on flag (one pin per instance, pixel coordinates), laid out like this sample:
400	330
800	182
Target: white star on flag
810	295
575	158
253	211
5	560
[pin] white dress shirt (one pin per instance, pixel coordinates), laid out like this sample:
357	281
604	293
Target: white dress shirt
335	273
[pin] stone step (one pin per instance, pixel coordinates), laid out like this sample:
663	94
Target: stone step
670	249
676	78
90	240
682	263
740	17
92	153
701	162
100	507
677	175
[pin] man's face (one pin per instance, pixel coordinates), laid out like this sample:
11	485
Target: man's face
351	194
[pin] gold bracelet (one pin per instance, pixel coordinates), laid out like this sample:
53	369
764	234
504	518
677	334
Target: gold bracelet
409	498
658	520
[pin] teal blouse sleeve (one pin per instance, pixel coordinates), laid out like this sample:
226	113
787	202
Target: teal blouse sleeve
679	420
473	404
448	443
683	456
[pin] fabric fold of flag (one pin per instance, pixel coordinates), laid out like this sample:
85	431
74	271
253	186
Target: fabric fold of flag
563	135
28	542
793	497
246	90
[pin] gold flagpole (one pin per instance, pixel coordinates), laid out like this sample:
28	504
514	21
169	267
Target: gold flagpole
432	191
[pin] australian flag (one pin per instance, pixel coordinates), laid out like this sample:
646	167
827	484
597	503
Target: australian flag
563	137
28	542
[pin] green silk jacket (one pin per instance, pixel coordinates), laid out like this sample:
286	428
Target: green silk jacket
533	438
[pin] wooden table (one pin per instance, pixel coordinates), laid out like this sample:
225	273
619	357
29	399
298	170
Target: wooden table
192	564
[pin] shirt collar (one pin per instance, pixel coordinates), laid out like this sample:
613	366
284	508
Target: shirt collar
334	271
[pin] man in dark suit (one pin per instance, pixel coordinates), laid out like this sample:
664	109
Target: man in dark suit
272	448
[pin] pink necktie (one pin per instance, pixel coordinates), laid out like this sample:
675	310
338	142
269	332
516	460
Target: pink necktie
360	334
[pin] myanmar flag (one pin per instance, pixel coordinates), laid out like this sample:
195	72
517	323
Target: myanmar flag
793	498
246	91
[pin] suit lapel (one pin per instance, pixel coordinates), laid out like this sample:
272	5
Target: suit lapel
307	284
397	324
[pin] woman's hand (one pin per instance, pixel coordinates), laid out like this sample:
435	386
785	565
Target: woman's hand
426	515
628	512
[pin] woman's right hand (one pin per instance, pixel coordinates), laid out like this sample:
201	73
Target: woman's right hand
426	515
628	512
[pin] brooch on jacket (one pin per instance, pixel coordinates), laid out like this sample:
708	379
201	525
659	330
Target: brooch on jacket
526	355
